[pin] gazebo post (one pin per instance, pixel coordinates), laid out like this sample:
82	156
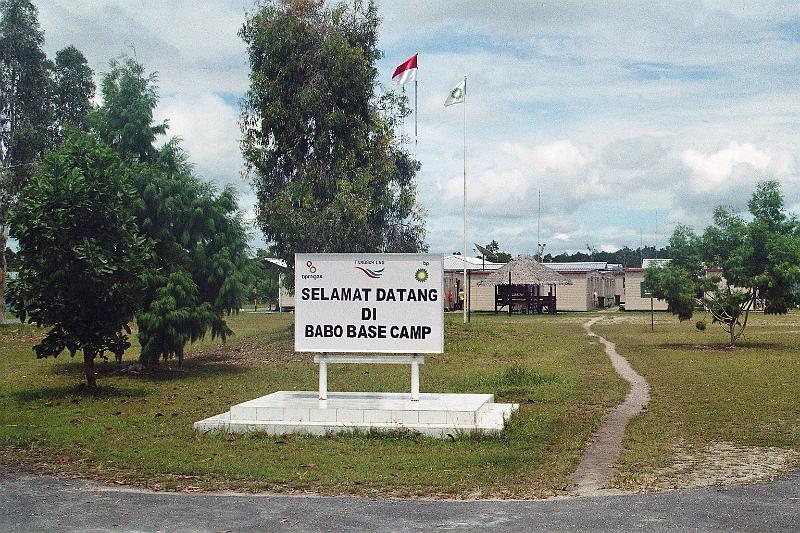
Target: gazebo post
510	291
555	299
469	296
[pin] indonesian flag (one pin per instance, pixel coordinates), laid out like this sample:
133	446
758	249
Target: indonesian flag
406	72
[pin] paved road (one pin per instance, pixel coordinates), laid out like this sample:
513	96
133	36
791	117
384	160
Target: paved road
33	503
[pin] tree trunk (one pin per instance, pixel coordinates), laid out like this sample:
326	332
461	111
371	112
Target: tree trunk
3	243
733	335
88	368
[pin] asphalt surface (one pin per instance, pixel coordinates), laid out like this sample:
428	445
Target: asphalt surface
42	503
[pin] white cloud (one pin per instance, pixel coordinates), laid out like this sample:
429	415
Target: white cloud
629	117
713	170
208	127
559	156
633	153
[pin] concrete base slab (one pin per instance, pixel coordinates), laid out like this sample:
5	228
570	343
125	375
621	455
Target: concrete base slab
434	414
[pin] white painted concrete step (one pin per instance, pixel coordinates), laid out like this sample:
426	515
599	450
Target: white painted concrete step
223	422
359	407
435	414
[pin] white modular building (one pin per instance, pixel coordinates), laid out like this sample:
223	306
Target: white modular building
595	285
285	297
477	297
637	297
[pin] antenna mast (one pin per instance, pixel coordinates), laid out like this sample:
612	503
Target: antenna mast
641	245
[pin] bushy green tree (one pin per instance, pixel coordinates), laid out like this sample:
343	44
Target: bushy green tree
319	145
82	259
200	242
759	260
125	120
73	89
174	318
500	257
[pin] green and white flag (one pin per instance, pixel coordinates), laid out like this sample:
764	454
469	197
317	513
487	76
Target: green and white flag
457	95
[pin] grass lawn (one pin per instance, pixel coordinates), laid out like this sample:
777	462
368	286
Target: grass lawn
704	394
139	430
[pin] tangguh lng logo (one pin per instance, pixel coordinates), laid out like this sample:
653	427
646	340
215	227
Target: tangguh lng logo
374	274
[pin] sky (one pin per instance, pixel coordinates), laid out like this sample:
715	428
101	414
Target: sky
628	117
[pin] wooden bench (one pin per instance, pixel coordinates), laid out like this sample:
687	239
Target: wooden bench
376	359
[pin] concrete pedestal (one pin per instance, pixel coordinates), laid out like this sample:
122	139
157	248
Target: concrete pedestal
433	414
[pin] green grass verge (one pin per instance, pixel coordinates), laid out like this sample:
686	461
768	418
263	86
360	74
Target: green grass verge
703	393
139	430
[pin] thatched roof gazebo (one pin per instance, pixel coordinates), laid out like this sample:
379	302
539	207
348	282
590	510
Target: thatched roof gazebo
519	284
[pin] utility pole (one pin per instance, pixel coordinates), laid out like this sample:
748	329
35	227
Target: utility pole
539	245
538	227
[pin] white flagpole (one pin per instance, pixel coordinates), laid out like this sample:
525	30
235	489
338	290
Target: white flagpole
464	305
416	147
403	121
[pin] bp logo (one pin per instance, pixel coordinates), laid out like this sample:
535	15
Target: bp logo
421	275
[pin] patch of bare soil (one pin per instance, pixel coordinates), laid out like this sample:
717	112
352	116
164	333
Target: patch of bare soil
722	463
250	352
638	318
744	346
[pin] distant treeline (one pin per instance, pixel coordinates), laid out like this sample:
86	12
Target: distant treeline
627	257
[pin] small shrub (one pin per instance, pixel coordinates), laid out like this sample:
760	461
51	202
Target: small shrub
701	325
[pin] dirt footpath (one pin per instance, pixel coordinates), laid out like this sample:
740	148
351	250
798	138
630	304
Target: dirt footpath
597	464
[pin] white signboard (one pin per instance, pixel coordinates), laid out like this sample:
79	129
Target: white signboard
390	303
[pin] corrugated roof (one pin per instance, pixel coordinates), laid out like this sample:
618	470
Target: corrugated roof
274	261
656	262
578	266
584	266
525	270
456	262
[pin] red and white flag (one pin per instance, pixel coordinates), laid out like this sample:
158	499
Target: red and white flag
406	71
